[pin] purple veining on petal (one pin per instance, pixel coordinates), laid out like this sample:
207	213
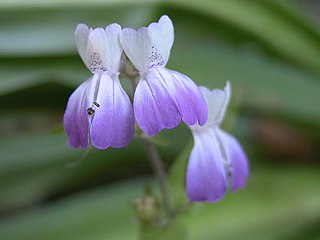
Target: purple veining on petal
238	159
75	118
186	95
153	106
206	178
113	120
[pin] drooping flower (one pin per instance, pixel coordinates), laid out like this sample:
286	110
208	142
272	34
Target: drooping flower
163	97
217	158
99	107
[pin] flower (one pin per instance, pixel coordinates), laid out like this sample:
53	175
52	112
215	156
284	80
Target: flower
99	106
163	97
217	158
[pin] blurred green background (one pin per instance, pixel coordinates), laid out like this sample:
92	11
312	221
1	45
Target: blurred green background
269	49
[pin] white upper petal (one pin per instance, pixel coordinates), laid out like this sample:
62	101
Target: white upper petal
99	48
81	36
217	101
150	46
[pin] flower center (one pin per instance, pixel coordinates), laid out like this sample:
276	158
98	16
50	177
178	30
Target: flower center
155	59
96	63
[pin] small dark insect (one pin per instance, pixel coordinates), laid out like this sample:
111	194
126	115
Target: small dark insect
90	111
96	104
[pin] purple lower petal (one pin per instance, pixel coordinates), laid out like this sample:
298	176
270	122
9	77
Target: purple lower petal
206	178
113	120
154	108
75	118
238	159
186	95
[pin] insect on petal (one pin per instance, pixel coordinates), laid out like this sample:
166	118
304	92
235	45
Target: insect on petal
113	121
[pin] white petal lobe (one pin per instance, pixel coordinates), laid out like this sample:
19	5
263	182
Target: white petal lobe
217	101
104	49
148	47
81	36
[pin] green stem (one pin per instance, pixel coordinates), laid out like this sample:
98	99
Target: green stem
158	169
152	152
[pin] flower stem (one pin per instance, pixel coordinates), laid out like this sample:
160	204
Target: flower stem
152	152
158	169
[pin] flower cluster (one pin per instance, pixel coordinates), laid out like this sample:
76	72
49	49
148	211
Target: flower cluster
100	106
101	111
217	158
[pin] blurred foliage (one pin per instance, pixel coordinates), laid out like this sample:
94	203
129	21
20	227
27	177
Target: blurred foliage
270	51
284	207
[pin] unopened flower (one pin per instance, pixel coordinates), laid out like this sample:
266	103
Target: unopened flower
217	158
163	97
99	107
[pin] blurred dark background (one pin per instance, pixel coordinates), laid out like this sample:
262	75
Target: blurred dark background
268	49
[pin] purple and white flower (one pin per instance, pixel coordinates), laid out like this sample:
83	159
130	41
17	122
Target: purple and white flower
99	107
217	158
163	97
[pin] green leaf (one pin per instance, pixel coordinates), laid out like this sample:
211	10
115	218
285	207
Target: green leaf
173	231
67	71
52	4
95	214
282	36
158	140
176	178
36	166
276	203
50	31
278	89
